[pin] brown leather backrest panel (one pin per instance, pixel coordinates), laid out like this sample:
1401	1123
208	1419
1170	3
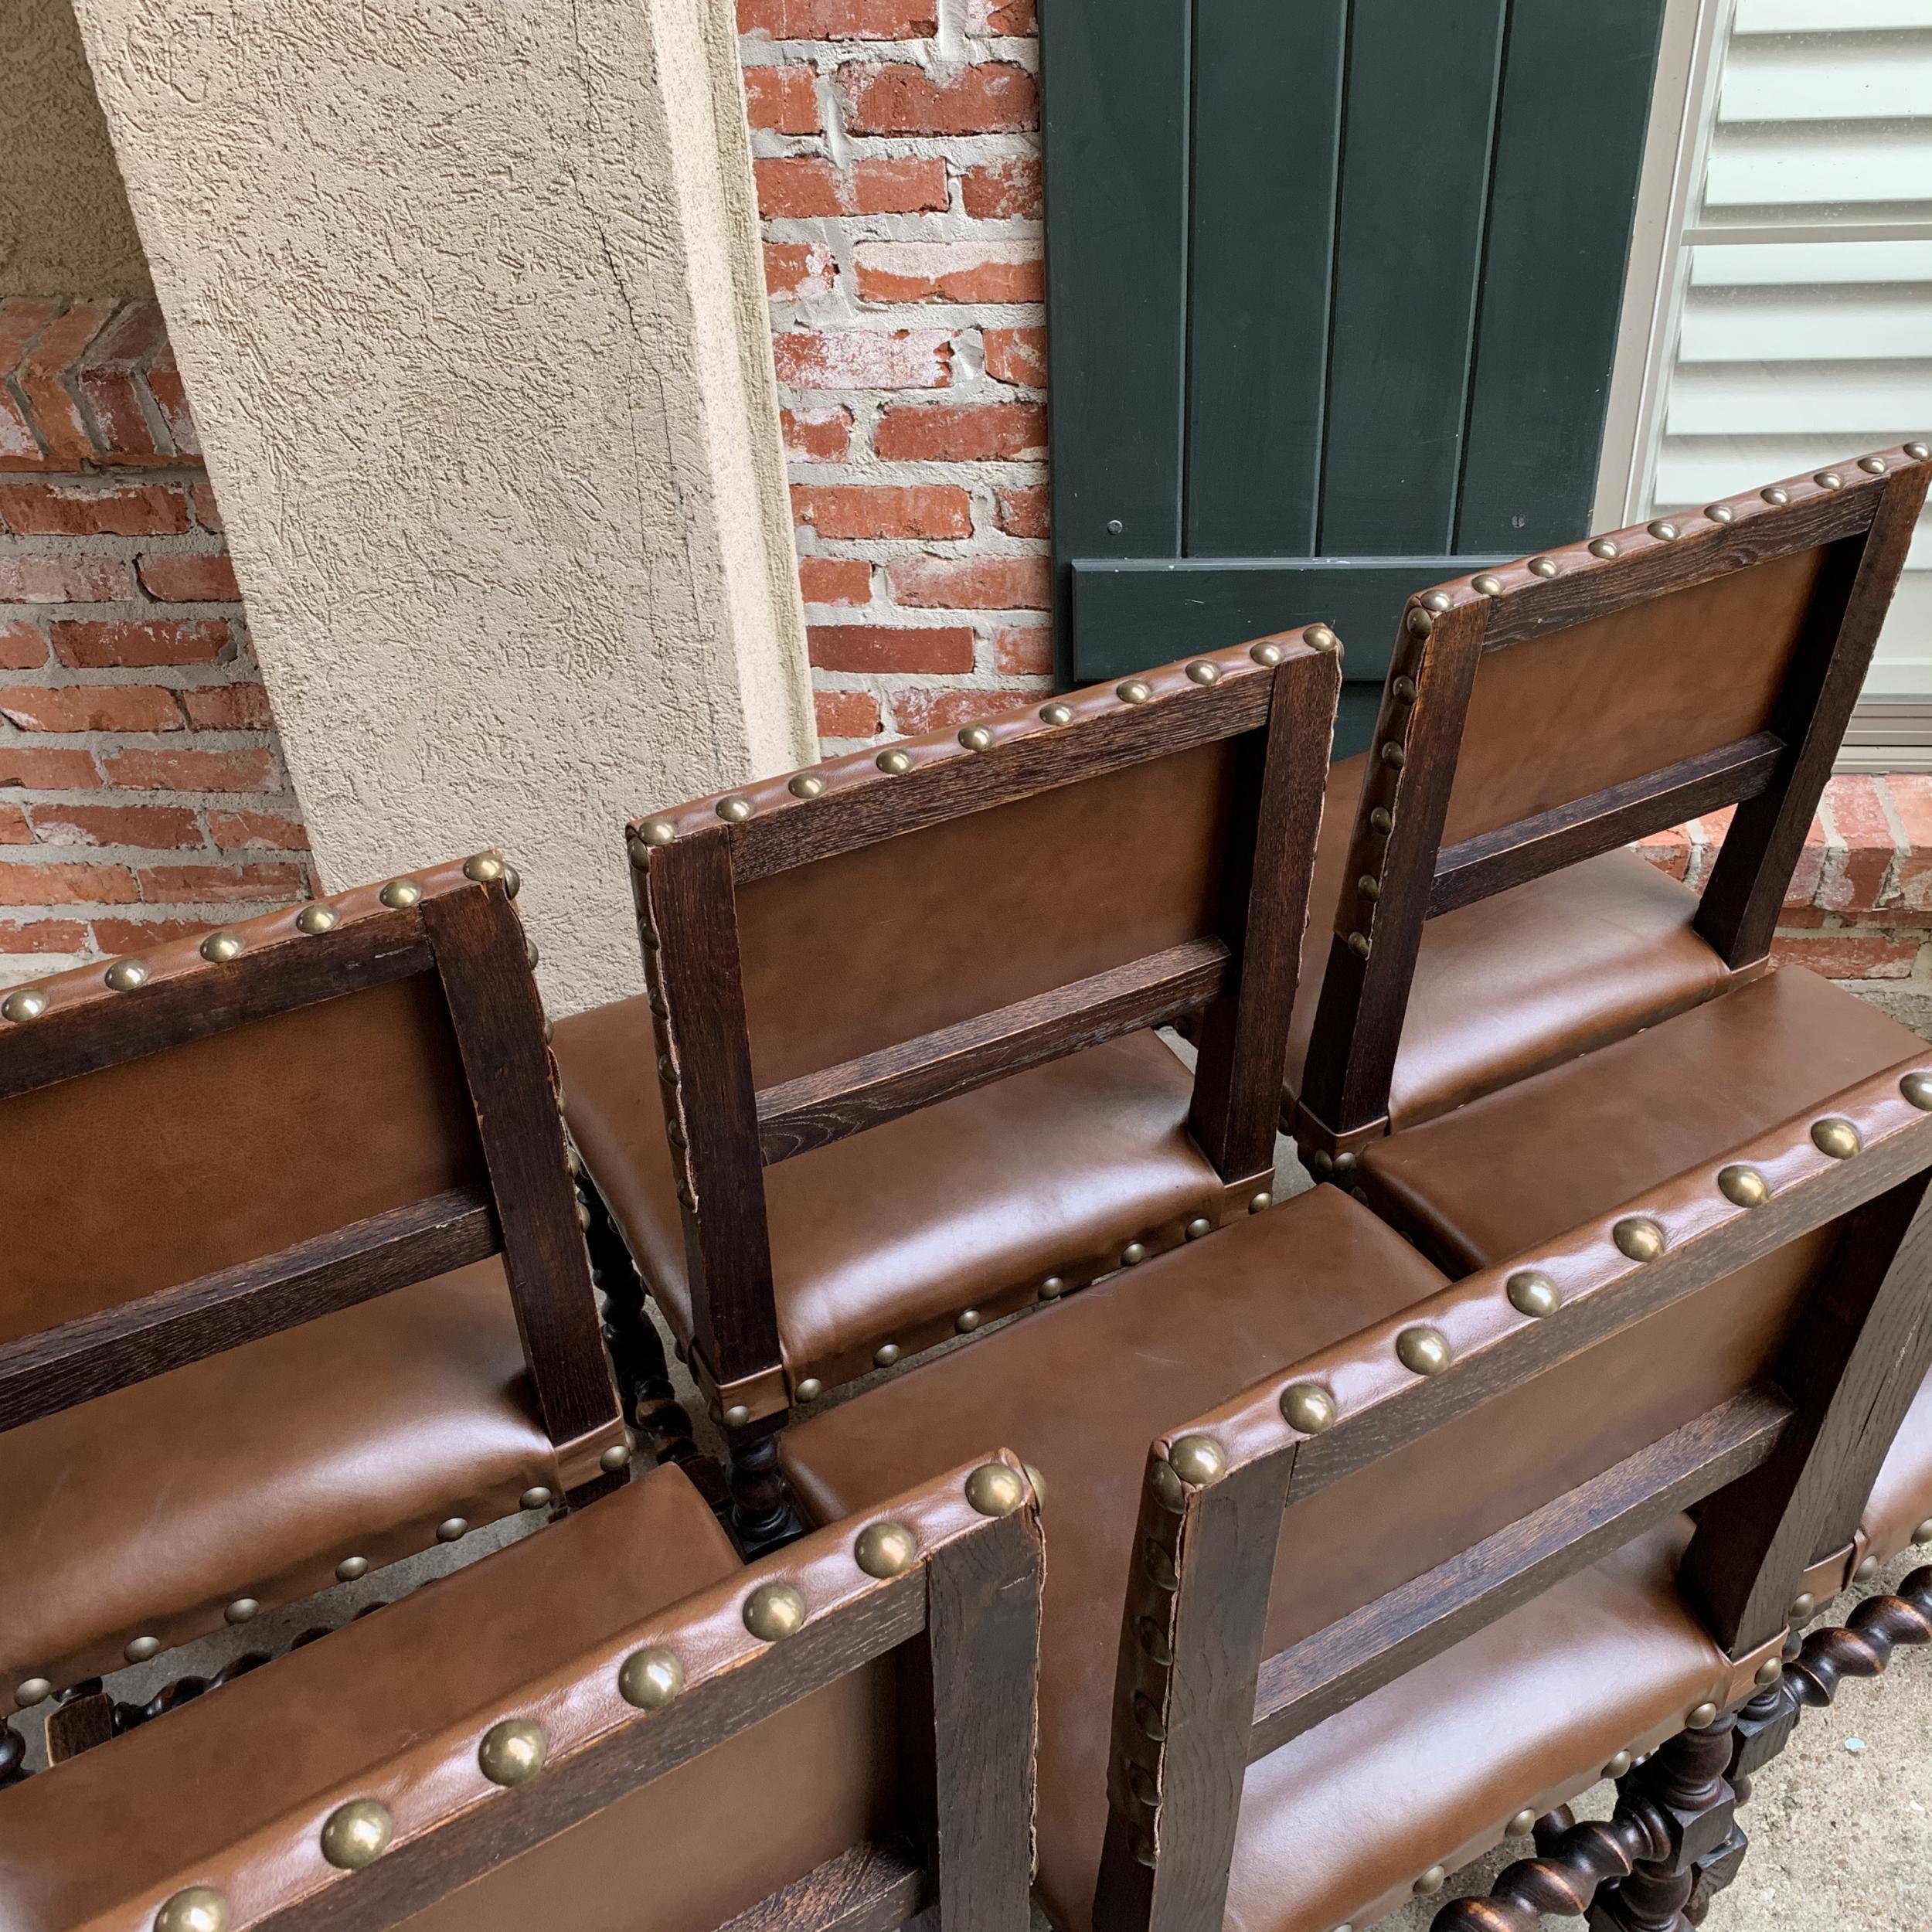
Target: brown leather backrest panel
848	954
1562	717
143	1175
691	1850
1493	1464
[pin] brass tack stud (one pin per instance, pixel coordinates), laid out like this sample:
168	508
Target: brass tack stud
1133	1254
583	1217
657	831
1522	1823
994	1490
532	956
357	1833
33	1690
885	1355
1133	692
1321	1162
1603	547
1618	1764
1639	1237
967	1321
1394	756
1140	1782
1346	1162
243	1609
1268	654
1382	819
1776	496
650	1679
1318	636
1487	585
1055	714
774	1612
351	1568
399	894
810	1390
1836	1136
512	1752
1422	1350
1153	1642
486	867
1369	886
1917	1088
977	738
1260	1203
316	919
1918	451
28	1003
893	763
1436	600
1532	1292
1420	622
1769	1672
1664	530
737	1416
537	1498
1720	513
1873	465
512	882
1199	1225
195	1908
1828	480
885	1550
141	1648
1802	1605
1867	1570
1052	1288
806	785
1743	1185
1700	1717
1921	1535
615	1456
1201	672
1199	1459
1545	566
1146	1716
1432	1880
1169	1491
125	974
1307	1408
451	1528
1358	944
734	809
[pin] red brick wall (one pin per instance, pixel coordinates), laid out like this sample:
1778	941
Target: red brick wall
142	791
898	175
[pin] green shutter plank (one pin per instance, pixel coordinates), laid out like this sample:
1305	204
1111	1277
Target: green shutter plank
1422	87
1267	119
1576	104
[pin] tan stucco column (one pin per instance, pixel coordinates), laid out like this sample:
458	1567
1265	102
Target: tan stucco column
469	305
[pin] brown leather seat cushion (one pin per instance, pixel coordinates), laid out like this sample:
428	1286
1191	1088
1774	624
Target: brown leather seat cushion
1521	980
253	1473
1524	1165
231	1789
888	1235
1079	1390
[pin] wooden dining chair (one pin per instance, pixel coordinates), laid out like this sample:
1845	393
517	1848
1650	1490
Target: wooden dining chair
1538	718
1431	1575
293	1281
893	1075
609	1726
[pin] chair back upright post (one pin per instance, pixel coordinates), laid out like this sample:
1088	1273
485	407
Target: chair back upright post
428	975
1522	730
746	1081
1836	1226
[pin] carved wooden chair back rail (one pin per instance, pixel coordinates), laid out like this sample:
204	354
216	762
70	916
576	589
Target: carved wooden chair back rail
1546	711
829	953
1233	1644
219	1138
569	1733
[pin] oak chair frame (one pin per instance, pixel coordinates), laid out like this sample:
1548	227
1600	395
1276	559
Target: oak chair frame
1782	1470
1399	873
961	1620
1277	696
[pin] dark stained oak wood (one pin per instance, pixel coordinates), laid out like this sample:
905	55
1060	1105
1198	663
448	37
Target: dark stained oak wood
871	1888
817	1108
1615	816
1359	1653
57	1368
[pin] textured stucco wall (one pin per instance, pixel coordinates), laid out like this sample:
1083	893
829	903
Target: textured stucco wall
65	228
461	298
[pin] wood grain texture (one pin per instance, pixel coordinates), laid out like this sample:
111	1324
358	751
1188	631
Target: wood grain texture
817	1108
1618	815
871	1888
1358	1653
60	1367
498	1022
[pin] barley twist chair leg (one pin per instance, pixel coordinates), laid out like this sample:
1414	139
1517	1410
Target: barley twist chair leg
1685	1785
1572	1861
1863	1644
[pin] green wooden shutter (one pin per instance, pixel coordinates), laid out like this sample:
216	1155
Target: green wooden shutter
1333	289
